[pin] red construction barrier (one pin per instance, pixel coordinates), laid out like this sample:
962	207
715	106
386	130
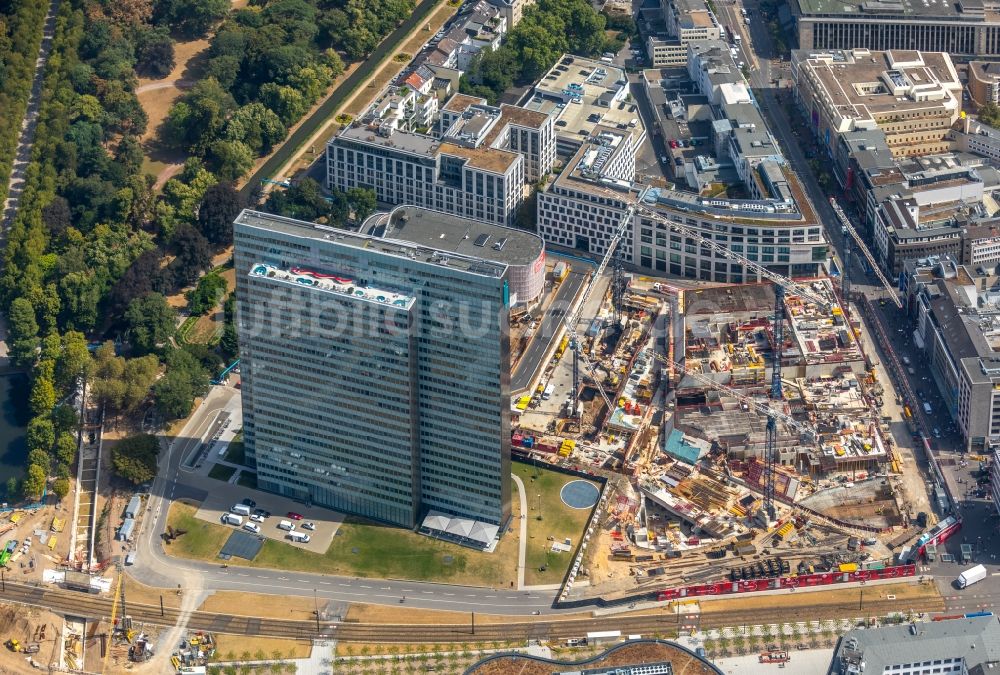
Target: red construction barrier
802	580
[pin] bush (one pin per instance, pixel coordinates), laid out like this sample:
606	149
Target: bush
206	295
134	458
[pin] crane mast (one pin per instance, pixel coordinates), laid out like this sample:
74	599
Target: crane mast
845	223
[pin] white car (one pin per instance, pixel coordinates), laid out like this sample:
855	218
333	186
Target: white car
252	527
257	518
308	525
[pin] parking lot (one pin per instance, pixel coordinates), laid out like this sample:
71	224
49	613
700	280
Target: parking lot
221	501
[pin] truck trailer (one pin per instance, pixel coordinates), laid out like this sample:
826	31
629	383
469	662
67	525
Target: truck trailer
971	576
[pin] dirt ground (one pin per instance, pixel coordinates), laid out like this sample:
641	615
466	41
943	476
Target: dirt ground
234	646
23	623
148	595
253	604
389	614
901	591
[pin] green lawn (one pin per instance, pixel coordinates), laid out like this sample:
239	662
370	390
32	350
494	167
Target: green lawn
558	522
221	472
202	540
247	479
382	552
236	452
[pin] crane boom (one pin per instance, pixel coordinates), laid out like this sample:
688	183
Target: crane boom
791	286
846	224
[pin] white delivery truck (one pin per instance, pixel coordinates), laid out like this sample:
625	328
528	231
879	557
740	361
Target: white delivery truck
286	525
241	510
231	519
300	537
547	392
971	576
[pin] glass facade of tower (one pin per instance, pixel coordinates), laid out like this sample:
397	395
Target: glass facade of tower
375	374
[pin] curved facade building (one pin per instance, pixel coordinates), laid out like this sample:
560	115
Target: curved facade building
522	252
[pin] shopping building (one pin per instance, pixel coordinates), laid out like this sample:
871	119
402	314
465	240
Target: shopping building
912	97
963	29
957	311
765	217
376	367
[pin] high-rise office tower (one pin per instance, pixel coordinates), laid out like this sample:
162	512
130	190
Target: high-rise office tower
376	365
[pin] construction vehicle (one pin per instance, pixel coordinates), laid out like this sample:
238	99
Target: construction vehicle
22	647
774	656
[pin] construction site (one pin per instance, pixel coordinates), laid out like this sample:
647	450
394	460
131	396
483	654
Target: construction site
739	427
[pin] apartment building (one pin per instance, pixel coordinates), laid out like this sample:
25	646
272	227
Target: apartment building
527	132
475	166
963	29
342	333
685	21
513	10
912	97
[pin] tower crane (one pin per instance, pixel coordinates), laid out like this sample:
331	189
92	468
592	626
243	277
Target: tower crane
848	228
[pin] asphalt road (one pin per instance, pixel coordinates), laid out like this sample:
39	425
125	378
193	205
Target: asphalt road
533	356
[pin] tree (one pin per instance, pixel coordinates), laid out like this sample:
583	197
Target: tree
60	487
197	119
65	448
23	340
362	202
287	102
138	376
230	159
134	458
43	395
10	491
192	255
257	127
217	212
989	113
154	53
40	434
107	386
151	322
185	379
34	482
190	18
206	295
64	418
74	360
229	344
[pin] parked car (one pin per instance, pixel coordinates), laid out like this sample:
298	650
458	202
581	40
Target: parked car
252	527
308	525
257	518
249	502
263	513
293	515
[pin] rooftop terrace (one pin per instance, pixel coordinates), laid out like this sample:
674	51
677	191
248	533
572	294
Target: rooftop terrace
300	276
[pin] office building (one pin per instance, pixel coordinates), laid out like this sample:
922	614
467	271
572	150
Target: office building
984	82
912	97
968	28
376	366
765	218
684	21
964	646
957	311
580	94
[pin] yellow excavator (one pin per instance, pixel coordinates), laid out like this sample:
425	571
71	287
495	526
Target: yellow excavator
20	647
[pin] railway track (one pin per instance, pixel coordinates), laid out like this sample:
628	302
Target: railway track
95	607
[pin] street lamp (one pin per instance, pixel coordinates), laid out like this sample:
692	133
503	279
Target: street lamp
539	508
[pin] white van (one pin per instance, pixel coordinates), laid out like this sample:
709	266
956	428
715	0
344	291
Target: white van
241	510
300	537
548	391
927	408
231	519
286	525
